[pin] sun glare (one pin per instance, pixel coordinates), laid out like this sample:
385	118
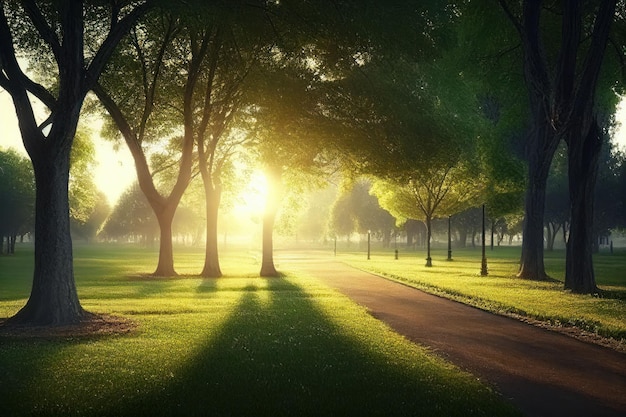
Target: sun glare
252	197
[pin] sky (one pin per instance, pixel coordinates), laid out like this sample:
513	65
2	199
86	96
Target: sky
115	169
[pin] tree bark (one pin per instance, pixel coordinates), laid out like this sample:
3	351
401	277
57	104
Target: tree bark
213	195
274	179
531	263
53	299
165	217
583	159
541	145
584	142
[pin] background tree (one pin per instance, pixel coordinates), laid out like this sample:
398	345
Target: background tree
88	206
427	194
17	198
161	60
368	214
312	222
356	210
132	218
342	222
557	200
77	53
89	228
608	207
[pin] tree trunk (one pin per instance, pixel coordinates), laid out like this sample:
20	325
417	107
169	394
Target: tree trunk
553	230
267	263
274	178
583	159
165	217
541	147
211	267
542	140
53	298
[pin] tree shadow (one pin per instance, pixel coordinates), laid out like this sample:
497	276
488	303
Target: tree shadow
613	294
280	354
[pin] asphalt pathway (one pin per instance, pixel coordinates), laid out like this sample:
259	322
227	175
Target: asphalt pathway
543	372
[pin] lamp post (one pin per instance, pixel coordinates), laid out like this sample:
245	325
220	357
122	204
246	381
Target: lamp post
369	233
395	244
483	265
449	240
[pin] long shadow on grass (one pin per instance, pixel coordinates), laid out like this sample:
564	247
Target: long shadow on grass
279	354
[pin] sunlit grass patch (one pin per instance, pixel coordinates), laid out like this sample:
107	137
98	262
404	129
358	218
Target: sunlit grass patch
239	345
501	292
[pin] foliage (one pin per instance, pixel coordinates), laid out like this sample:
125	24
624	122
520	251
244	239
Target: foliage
83	193
313	222
356	210
17	195
422	195
131	218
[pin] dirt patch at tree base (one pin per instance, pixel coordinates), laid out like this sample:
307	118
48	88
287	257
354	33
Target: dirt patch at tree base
93	325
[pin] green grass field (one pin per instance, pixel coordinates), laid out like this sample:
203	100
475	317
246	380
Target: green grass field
503	293
239	345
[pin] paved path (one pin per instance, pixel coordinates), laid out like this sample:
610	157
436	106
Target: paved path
543	372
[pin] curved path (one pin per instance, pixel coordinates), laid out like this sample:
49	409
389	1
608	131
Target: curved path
543	372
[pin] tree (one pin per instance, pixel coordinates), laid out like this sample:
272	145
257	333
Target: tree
312	223
132	218
341	220
284	113
607	209
563	102
425	194
17	198
357	210
161	60
368	214
56	32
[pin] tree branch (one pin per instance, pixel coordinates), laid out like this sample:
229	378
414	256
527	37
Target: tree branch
121	28
507	10
46	32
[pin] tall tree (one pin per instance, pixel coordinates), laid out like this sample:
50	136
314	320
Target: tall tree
562	73
163	59
283	114
56	31
236	38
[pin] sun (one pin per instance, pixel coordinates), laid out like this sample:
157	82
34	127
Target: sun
253	196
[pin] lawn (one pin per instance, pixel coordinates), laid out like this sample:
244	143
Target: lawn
239	345
501	292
